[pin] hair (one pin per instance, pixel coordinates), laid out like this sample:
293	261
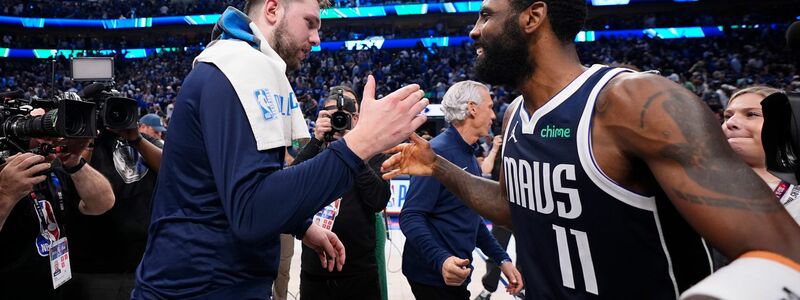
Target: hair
249	4
761	90
567	17
456	101
334	91
347	100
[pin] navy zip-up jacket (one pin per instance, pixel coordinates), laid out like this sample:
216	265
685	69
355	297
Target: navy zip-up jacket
220	204
435	222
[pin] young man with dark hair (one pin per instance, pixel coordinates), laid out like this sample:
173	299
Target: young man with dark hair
612	180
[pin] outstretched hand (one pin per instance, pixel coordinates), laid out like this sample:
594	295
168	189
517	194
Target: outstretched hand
385	123
415	158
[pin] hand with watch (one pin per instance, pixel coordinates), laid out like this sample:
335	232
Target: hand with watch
72	159
515	283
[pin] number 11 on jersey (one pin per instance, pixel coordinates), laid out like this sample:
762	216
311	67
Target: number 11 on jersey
565	259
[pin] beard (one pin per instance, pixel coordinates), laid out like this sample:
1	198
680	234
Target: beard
505	59
286	48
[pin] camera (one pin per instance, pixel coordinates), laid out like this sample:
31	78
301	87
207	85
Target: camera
65	116
113	110
780	135
341	120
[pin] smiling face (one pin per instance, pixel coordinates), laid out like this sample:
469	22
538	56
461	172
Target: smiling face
743	122
503	56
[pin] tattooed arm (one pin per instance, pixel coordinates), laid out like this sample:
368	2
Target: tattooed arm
662	124
487	197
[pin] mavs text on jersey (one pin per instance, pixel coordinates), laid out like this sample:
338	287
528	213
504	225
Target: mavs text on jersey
579	234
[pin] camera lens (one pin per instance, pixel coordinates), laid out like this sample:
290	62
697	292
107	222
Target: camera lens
75	125
340	121
39	126
120	113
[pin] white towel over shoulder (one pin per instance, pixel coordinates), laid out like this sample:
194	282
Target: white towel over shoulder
263	89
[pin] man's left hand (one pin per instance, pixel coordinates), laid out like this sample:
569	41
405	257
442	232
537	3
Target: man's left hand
514	278
327	245
75	147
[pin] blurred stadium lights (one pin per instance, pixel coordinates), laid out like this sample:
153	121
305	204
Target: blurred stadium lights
329	13
380	42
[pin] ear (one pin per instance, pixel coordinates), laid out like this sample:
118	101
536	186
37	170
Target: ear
472	108
272	10
532	17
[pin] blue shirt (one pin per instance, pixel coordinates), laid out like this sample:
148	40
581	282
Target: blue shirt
220	204
435	222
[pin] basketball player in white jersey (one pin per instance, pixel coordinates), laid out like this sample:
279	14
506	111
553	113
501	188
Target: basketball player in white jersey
610	177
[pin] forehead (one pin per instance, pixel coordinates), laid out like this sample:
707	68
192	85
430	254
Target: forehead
348	94
749	100
483	92
302	8
495	5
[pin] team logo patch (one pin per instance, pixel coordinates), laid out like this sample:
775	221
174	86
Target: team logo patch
268	108
513	134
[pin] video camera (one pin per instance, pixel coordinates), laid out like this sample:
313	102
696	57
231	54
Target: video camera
65	116
342	119
113	110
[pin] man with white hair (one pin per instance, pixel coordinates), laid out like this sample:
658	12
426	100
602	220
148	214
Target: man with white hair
440	231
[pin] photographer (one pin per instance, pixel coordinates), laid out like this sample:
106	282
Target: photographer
355	221
70	188
151	126
130	159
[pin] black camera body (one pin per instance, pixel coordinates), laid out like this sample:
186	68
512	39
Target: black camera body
341	120
113	110
64	117
780	135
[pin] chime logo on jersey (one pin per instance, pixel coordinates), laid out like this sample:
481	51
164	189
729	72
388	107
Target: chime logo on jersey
553	132
532	184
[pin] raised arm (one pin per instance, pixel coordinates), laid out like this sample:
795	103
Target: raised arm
486	197
663	125
262	200
93	188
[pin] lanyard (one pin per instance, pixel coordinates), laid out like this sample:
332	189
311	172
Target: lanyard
39	198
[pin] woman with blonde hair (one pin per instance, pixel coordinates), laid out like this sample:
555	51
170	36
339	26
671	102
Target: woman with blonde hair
744	120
